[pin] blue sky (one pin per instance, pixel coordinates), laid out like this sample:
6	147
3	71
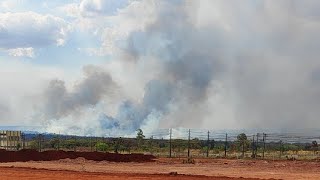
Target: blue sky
71	53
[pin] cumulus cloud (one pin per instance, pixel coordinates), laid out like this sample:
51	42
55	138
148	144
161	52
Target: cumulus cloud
71	10
29	29
22	52
7	5
94	51
91	8
110	21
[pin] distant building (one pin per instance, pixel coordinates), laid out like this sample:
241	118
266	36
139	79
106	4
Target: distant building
10	140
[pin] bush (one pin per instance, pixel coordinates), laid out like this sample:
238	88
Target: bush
102	146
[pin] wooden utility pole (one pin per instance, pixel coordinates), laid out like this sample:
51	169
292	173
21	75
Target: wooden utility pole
253	147
225	146
91	143
264	144
150	145
23	141
96	144
189	144
257	145
170	143
75	144
280	148
39	142
7	139
208	142
179	147
59	141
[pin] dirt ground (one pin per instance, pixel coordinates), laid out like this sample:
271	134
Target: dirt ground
27	173
160	169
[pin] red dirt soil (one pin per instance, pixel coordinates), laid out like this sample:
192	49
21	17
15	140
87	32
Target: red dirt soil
161	168
221	168
28	173
33	155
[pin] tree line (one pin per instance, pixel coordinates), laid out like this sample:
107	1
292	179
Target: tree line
142	144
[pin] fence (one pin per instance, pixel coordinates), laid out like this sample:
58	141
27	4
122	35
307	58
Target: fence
182	143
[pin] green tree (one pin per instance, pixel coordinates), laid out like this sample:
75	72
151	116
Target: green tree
140	137
243	142
140	134
18	146
101	146
34	144
314	146
127	144
195	143
118	144
69	143
54	143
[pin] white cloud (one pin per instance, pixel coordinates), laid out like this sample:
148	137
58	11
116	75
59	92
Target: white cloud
7	5
29	29
22	52
112	20
101	7
72	10
135	17
93	51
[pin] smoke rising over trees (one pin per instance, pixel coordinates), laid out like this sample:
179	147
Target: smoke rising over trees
194	64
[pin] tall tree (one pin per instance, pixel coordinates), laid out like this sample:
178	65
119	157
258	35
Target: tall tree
314	146
140	137
242	141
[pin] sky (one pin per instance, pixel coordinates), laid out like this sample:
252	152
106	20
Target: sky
102	67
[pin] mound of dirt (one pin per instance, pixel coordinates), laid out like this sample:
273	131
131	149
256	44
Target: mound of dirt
33	155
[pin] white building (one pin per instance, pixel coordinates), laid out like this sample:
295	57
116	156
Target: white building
10	140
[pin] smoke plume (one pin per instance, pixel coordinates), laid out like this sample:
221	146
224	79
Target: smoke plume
196	64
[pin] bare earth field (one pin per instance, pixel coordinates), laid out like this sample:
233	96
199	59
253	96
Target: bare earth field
160	169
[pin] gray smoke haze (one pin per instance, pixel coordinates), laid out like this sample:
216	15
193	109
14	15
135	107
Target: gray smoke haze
60	102
201	64
5	111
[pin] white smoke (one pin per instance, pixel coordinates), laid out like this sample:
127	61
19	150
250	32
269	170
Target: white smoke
196	64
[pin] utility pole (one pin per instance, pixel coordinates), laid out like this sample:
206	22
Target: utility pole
150	145
96	144
189	144
39	142
7	140
23	141
179	147
75	144
225	146
119	141
208	141
59	140
91	143
280	146
257	145
264	144
253	147
40	139
170	143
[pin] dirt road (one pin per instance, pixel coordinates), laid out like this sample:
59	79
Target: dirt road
215	168
29	174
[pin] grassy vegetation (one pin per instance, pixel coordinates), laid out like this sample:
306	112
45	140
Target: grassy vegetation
240	148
